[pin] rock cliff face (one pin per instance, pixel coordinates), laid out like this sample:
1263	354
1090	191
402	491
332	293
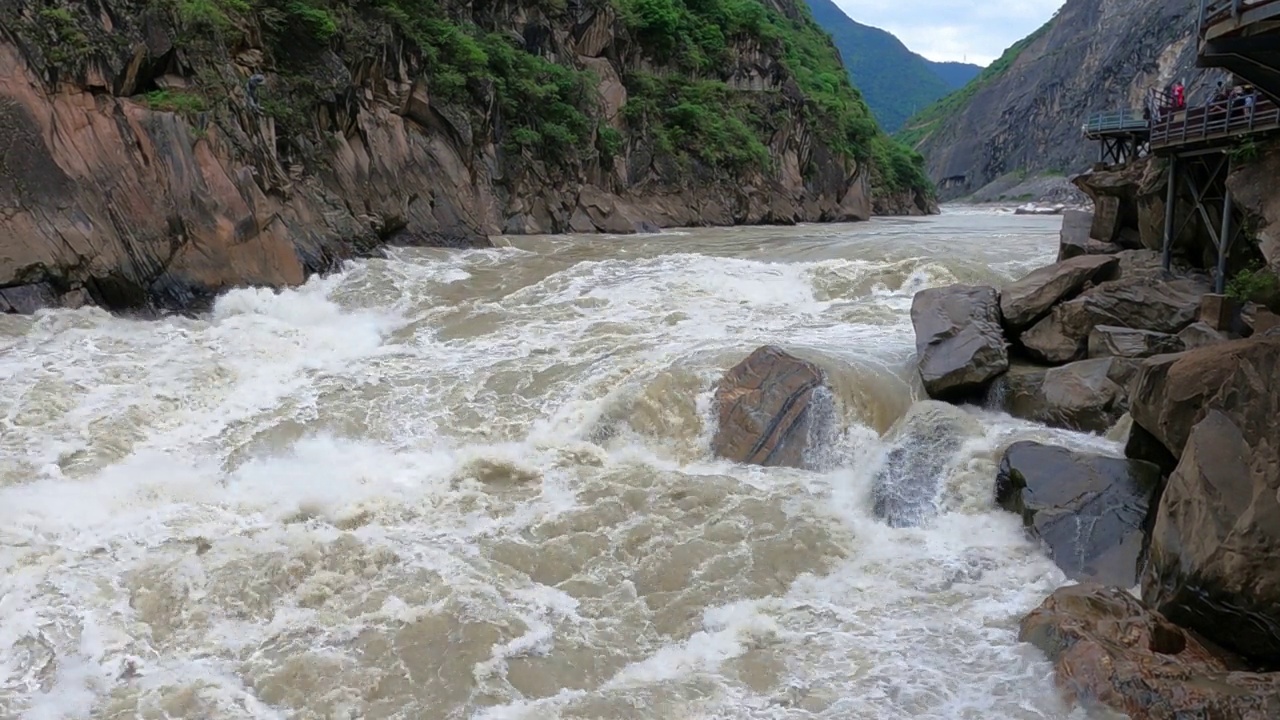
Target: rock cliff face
1024	114
136	170
1253	184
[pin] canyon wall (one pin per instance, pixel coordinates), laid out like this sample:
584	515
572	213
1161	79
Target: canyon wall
138	171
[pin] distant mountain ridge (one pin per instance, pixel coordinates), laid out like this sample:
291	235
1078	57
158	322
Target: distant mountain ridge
955	74
1021	116
895	82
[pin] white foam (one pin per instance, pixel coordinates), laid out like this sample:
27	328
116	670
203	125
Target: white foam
305	468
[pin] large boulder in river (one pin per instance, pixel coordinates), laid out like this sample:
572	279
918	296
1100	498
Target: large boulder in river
958	339
1089	395
1112	341
1089	509
774	408
1108	649
1024	302
1165	306
1215	550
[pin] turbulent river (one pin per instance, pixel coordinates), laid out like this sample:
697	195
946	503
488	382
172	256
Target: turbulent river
477	485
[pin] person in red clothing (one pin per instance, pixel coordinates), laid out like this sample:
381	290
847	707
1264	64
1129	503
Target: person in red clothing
1179	96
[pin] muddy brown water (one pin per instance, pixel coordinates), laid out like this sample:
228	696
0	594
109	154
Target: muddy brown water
477	485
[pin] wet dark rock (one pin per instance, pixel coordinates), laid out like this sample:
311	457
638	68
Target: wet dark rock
924	444
26	299
959	342
1215	550
1089	395
1165	306
1089	509
1110	650
1112	341
773	410
1024	302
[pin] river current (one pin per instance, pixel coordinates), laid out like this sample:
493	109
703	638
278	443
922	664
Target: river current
477	484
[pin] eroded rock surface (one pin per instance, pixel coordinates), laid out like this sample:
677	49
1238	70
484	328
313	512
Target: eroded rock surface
773	410
1112	341
959	342
1024	302
1198	335
1165	306
1089	395
1217	539
1108	649
1088	509
1074	240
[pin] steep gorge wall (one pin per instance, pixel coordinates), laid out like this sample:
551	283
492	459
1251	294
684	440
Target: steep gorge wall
1025	116
134	172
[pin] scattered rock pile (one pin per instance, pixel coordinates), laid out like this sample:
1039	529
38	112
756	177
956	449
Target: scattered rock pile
1191	515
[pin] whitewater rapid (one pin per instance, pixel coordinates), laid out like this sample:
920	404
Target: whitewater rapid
477	485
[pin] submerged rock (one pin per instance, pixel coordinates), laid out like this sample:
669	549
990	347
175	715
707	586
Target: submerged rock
1088	509
1112	341
773	407
1165	306
1108	649
958	339
1089	395
1215	549
925	442
1024	302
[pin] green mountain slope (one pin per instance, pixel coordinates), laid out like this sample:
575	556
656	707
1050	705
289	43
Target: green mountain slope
956	75
895	81
921	124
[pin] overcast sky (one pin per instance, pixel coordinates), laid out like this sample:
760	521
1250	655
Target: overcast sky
954	29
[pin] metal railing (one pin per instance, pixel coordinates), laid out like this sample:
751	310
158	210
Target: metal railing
1196	124
1115	121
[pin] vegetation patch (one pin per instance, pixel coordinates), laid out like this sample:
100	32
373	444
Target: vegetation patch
546	110
698	35
179	101
1257	284
700	120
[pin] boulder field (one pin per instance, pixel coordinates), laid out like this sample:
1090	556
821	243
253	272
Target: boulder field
1177	544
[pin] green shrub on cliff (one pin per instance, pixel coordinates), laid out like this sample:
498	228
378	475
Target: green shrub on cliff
540	107
696	120
696	34
1256	284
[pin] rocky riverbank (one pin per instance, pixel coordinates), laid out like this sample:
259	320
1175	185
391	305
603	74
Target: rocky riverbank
1102	340
1175	544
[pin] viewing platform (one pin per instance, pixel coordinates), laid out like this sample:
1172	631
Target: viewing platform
1123	134
1242	36
1118	122
1199	139
1206	127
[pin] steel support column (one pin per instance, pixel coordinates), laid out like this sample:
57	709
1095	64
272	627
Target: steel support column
1224	244
1171	197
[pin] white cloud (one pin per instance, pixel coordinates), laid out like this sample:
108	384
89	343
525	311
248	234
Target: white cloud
973	30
